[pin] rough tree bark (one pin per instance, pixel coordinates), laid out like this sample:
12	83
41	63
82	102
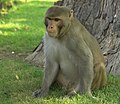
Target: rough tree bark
102	19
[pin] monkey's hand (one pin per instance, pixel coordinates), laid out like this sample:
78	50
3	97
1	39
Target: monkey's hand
40	93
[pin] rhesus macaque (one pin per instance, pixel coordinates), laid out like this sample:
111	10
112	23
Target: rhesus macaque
72	55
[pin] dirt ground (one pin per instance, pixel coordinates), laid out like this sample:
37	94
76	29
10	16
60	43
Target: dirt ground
13	55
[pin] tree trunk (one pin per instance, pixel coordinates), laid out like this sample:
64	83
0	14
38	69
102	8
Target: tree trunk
102	19
37	57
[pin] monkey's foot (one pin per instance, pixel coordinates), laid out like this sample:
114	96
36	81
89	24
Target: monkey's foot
40	93
89	95
95	98
70	94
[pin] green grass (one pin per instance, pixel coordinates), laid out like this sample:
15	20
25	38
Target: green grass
20	31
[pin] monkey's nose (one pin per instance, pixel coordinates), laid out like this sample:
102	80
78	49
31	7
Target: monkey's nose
51	27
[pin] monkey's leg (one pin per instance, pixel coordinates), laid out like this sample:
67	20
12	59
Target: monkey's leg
51	71
86	76
85	79
74	91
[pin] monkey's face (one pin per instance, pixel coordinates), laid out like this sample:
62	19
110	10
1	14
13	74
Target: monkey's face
53	26
57	21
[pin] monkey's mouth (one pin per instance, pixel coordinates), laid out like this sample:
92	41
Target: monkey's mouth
52	34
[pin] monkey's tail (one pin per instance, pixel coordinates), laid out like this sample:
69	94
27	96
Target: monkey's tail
99	76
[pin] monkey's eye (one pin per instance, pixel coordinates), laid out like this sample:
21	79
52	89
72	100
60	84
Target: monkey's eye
49	18
56	19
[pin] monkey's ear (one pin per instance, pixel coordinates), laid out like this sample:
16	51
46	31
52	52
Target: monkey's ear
71	14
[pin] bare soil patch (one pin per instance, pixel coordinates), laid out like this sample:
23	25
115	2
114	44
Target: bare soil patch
12	55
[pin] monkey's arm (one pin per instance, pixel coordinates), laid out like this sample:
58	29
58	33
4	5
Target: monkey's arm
51	70
84	58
